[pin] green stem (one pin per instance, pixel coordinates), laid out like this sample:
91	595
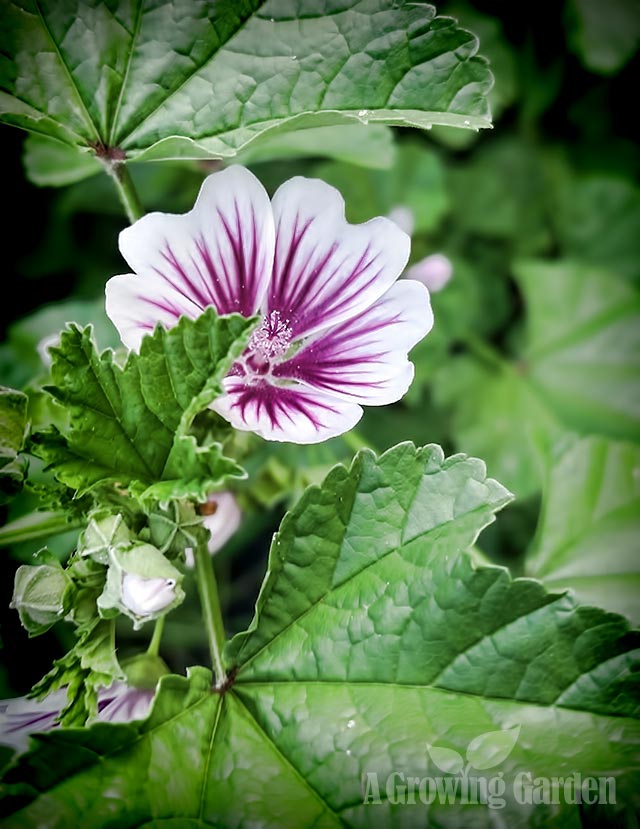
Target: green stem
36	525
355	441
154	644
126	190
211	613
485	352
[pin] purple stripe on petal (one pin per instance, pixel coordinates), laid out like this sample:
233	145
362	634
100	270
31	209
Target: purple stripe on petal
184	283
325	270
286	413
220	254
365	359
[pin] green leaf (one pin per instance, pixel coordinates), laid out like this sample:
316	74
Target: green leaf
598	222
158	392
91	664
490	749
50	163
357	520
416	181
494	412
606	35
577	370
13	425
588	534
375	642
192	79
582	354
363	145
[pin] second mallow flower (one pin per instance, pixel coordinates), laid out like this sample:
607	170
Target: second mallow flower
336	326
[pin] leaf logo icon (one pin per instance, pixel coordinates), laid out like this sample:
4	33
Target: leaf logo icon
446	759
490	749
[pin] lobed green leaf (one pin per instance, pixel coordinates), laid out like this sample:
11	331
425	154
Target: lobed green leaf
130	424
192	79
377	648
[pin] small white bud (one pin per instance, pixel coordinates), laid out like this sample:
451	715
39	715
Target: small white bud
222	517
146	596
433	271
403	217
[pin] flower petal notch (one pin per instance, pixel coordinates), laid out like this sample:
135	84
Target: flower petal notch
336	328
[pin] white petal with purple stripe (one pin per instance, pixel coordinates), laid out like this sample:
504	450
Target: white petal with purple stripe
325	270
220	254
365	359
336	326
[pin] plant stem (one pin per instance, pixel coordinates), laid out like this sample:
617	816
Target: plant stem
485	352
211	613
154	644
126	190
36	525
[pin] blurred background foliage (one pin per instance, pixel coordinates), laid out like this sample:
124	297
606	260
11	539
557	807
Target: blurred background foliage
533	361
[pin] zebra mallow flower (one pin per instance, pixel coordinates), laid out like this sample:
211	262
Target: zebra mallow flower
335	326
22	716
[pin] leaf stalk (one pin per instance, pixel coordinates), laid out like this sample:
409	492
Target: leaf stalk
125	187
211	612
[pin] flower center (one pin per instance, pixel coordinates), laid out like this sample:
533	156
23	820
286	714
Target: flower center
272	338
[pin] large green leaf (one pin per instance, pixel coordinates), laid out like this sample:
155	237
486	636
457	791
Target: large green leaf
13	425
376	646
494	412
191	78
583	341
500	192
49	162
132	424
589	530
577	370
597	220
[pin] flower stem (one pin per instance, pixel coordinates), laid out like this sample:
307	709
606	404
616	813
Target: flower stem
37	525
211	613
485	352
126	190
154	644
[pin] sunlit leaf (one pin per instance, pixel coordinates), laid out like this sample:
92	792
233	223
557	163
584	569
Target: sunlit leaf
200	80
375	636
577	371
115	411
491	749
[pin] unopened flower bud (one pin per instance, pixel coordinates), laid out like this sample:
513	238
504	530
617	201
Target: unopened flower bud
41	595
433	271
145	596
403	217
222	517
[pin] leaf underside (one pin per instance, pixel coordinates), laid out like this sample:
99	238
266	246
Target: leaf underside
191	78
